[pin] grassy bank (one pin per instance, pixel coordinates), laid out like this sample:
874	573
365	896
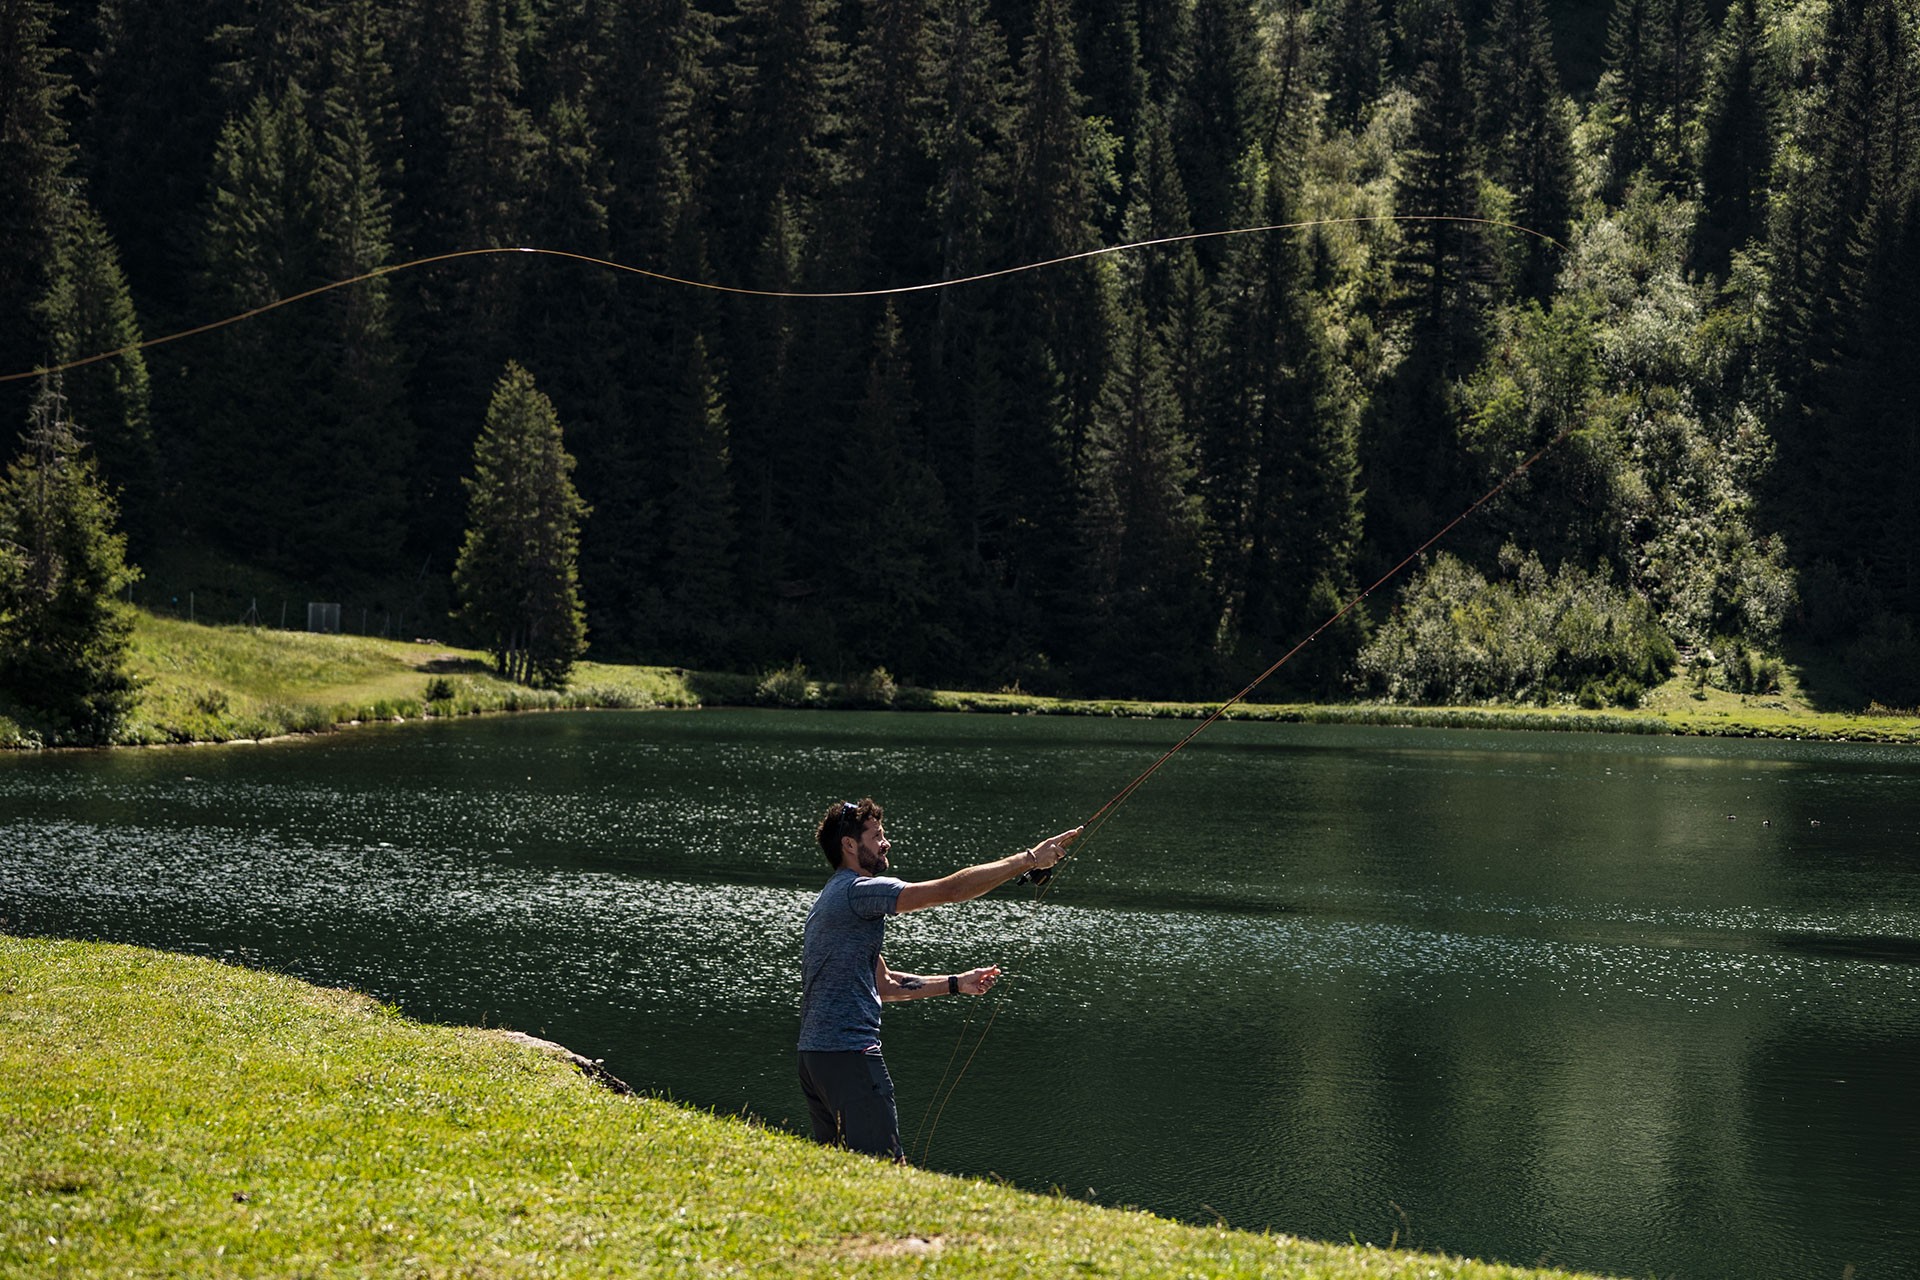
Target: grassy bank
173	1116
218	684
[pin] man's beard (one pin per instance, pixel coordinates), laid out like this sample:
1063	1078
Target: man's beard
872	863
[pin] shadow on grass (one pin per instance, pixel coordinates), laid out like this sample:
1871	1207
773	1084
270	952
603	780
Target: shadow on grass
444	666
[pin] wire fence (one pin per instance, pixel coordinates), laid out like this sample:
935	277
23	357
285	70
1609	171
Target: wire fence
344	616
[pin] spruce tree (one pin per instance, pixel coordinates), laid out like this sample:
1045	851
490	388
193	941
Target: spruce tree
696	575
64	630
1146	624
517	574
1442	262
1352	40
34	159
1219	104
887	520
1530	145
1737	139
1278	447
87	311
256	389
1629	92
358	451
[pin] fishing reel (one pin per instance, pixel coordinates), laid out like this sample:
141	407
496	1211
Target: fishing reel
1037	876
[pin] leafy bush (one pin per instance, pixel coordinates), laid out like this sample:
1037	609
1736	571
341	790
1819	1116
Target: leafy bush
1532	637
875	689
787	687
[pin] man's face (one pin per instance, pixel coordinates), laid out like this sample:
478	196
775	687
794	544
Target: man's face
870	854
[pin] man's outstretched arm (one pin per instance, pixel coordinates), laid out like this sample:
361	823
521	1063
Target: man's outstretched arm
970	882
894	985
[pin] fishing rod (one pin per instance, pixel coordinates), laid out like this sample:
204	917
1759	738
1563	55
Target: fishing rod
431	259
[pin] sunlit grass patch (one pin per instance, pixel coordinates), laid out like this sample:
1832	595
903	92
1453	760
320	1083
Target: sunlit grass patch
174	1116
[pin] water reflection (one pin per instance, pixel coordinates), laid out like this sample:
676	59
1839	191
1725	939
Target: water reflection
1615	1003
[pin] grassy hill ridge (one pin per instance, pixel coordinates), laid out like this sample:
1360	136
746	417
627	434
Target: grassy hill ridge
170	1115
202	683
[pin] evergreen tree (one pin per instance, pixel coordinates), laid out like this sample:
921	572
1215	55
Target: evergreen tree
886	236
783	115
650	110
1442	262
1145	600
1057	330
1280	467
517	574
1530	145
1629	93
88	311
1352	39
1683	47
696	581
153	60
888	522
64	631
34	159
1736	151
1218	107
492	149
255	388
354	509
1114	79
964	389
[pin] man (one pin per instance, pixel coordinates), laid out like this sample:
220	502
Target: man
845	979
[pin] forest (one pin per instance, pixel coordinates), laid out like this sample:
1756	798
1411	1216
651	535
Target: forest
1667	249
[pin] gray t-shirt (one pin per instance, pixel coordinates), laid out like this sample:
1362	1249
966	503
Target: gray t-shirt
839	1004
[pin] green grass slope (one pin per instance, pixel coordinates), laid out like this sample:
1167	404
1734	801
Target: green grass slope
170	1116
200	683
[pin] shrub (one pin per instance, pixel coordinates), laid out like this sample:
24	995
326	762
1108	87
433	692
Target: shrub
1532	637
875	689
787	687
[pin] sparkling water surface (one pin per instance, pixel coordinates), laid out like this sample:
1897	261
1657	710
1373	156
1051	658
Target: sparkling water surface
1645	1006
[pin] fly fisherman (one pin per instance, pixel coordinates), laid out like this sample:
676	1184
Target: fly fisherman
844	978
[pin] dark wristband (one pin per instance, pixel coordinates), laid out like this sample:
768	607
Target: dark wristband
953	984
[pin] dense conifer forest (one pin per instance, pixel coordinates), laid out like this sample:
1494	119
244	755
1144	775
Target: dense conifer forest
1677	242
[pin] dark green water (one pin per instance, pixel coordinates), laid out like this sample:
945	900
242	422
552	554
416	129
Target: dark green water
1641	1006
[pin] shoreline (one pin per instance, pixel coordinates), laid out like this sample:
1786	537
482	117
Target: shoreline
202	685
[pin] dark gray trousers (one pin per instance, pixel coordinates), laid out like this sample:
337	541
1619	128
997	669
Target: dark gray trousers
850	1098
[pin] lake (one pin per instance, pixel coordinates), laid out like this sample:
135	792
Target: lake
1645	1006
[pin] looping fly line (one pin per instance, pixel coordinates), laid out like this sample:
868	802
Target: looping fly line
742	291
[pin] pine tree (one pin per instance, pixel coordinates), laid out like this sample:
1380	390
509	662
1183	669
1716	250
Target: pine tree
153	60
64	631
1352	39
783	109
1442	262
34	160
1057	328
887	517
1736	151
491	147
1530	145
354	512
696	578
963	387
1147	625
1278	447
518	573
1629	94
255	388
87	311
1055	213
1214	124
